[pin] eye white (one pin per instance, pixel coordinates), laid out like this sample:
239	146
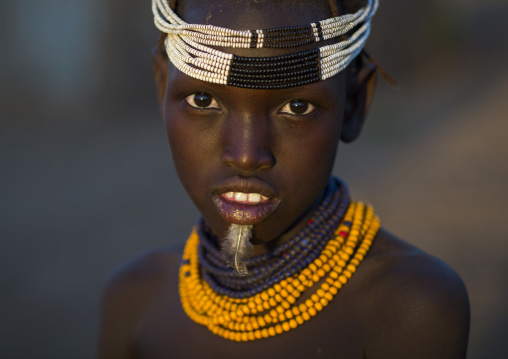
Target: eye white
287	108
197	100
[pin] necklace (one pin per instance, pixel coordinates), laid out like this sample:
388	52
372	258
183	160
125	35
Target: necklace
280	307
284	260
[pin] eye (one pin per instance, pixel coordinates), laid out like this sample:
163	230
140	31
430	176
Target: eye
201	100
297	107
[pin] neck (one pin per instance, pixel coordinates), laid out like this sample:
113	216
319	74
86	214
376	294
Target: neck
277	260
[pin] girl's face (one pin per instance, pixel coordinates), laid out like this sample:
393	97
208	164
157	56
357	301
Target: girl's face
259	157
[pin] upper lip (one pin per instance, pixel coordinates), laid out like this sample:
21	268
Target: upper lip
245	185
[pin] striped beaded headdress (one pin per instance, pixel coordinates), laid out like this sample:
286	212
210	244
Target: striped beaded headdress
188	48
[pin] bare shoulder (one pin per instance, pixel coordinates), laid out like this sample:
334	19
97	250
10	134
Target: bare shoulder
401	264
128	292
145	271
422	303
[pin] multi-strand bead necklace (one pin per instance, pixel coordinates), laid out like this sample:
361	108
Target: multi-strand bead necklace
188	48
295	296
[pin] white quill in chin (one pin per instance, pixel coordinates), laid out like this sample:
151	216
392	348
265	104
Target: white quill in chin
236	248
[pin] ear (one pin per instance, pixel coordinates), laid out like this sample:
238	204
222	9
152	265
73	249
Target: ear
361	84
160	74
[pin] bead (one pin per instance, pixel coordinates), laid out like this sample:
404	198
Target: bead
302	307
261	322
285	326
278	329
309	303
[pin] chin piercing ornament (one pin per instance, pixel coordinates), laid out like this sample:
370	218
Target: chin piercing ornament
237	248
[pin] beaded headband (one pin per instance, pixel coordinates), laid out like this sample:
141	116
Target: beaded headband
188	48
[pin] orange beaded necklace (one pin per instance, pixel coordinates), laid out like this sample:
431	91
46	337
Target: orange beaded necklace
279	308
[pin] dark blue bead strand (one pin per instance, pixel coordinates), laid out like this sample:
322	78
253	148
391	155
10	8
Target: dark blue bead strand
284	261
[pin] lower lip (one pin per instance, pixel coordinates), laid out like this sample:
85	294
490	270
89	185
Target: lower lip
244	213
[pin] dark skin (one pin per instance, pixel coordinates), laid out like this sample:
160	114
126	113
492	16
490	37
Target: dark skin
401	302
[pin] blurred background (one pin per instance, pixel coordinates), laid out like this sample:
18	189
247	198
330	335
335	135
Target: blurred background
86	178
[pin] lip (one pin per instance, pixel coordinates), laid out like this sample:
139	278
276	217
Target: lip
244	213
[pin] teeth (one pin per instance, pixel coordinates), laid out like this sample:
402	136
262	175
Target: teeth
254	197
241	197
246	197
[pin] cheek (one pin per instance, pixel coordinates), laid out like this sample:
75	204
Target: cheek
313	154
306	165
178	137
187	151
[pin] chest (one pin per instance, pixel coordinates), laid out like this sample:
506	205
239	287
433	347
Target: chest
338	331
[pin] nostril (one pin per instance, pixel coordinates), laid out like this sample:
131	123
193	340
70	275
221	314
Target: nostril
247	141
246	159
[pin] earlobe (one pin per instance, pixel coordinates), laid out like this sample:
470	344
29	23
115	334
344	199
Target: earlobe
160	73
360	92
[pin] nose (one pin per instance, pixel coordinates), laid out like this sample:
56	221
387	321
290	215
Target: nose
247	144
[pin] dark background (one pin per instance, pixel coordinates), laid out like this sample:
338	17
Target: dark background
86	179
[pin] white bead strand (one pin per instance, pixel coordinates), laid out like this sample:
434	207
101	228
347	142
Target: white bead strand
188	46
